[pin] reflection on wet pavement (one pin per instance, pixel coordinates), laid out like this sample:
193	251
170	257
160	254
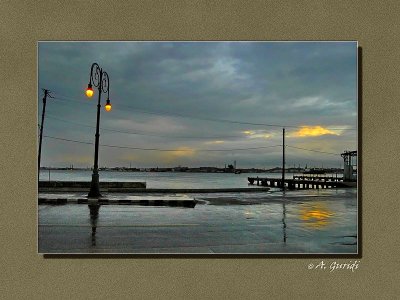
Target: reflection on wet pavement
316	215
290	224
94	215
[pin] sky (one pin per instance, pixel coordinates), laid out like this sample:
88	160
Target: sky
173	102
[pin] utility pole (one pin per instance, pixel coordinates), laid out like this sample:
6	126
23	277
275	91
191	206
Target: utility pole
283	159
46	93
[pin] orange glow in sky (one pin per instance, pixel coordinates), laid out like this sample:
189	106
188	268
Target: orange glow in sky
313	131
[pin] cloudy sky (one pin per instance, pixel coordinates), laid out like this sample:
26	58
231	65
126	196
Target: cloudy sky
193	97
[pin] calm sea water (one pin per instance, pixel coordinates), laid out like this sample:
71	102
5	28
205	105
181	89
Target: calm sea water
162	179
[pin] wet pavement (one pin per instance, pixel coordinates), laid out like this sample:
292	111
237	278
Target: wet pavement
320	222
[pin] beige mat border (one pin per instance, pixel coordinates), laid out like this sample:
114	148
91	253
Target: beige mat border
375	24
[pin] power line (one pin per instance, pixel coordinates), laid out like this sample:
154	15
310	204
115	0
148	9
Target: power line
182	116
144	133
164	113
68	140
185	150
158	149
312	150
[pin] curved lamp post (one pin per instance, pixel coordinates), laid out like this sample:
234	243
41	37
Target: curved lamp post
98	78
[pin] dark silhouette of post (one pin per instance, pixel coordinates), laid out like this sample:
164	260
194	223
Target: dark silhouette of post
283	159
99	79
94	188
46	93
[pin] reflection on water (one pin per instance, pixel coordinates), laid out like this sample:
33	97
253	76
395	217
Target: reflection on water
316	215
94	215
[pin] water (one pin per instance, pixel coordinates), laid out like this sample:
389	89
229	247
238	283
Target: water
162	179
303	221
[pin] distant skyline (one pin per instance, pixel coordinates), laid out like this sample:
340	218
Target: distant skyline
197	97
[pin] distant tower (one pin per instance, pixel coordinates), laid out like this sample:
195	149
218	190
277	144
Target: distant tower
349	158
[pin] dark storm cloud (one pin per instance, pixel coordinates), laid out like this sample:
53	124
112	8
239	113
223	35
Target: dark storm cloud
310	83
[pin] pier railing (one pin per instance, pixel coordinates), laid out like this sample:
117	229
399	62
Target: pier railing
301	182
318	177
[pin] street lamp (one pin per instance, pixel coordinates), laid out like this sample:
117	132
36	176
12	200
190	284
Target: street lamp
108	105
99	79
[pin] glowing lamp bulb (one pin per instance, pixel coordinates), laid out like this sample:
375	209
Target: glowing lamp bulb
89	91
108	106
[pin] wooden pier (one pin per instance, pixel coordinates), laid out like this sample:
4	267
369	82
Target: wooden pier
302	182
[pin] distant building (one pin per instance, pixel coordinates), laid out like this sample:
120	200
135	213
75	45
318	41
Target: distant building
180	169
350	165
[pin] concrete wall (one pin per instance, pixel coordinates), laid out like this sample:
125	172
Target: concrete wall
86	184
